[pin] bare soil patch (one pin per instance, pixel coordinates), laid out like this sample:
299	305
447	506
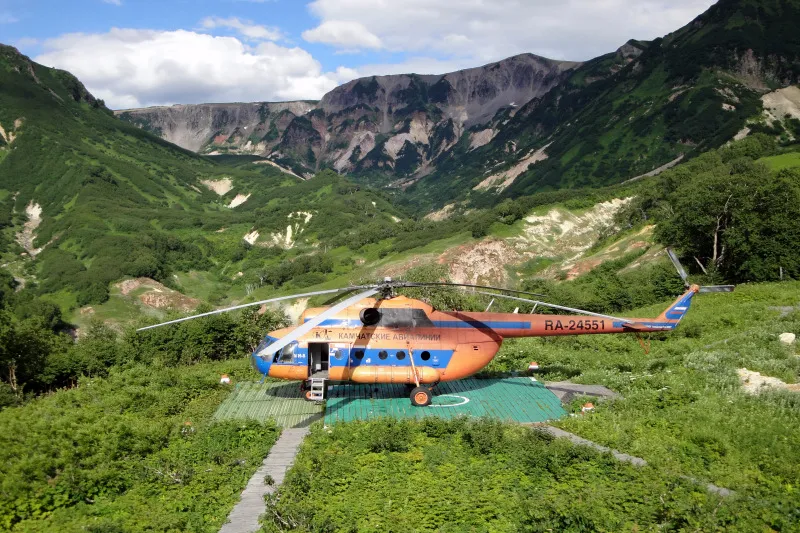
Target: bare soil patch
156	295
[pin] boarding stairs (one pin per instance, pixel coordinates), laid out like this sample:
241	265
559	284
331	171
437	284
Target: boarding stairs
318	388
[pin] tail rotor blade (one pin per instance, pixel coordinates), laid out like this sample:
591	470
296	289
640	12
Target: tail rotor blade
678	266
717	288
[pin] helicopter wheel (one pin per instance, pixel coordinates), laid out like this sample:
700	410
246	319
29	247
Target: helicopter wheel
307	395
421	397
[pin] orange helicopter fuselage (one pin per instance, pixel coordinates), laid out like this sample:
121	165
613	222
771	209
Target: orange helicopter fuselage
413	343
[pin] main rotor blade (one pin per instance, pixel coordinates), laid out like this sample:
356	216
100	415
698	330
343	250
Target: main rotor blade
554	306
261	302
678	266
446	284
335	297
304	328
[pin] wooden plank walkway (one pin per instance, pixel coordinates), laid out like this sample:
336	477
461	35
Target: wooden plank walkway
244	516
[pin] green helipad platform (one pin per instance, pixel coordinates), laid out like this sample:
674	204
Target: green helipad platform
511	399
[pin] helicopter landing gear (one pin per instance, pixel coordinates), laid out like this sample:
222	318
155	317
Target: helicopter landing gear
421	397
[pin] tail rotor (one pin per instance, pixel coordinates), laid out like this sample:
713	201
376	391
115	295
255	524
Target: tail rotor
685	277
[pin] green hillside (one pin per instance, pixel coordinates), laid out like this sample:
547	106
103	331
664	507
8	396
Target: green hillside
624	114
118	202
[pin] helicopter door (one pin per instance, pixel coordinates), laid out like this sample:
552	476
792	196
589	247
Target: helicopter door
318	357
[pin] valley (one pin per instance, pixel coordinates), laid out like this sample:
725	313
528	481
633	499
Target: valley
565	179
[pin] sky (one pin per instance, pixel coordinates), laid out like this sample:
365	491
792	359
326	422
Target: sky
137	53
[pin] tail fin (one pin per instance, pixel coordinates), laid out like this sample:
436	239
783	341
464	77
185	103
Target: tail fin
671	316
674	313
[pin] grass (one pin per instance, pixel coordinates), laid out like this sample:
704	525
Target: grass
782	161
682	410
118	309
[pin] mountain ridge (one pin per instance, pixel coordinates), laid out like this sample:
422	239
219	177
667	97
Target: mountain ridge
591	123
341	128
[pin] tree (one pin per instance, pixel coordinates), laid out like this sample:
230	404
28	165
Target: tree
739	220
253	324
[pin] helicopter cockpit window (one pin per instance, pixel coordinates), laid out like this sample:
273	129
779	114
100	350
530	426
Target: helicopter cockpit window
287	353
264	343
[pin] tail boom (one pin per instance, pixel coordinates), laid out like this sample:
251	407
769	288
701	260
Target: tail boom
509	325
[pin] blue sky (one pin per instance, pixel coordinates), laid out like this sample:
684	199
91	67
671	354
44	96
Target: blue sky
143	52
43	19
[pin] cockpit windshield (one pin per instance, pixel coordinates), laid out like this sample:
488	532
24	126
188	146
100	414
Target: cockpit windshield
264	343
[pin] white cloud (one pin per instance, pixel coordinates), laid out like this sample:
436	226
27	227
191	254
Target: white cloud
346	34
7	18
245	27
135	68
487	30
113	2
26	42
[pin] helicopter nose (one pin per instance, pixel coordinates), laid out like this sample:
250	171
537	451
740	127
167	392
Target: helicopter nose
260	364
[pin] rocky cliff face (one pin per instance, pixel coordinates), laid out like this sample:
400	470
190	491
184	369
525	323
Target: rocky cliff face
390	125
253	128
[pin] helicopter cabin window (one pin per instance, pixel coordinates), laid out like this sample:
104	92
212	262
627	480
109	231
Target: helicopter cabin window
425	355
383	354
401	355
359	354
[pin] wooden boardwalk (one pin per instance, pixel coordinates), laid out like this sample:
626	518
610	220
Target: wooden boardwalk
244	516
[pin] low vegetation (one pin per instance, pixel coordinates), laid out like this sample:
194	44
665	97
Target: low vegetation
136	451
683	411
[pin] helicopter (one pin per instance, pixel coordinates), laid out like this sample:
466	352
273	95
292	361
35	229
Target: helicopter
395	339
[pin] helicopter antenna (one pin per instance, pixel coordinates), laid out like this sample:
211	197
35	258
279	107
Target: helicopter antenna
554	306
